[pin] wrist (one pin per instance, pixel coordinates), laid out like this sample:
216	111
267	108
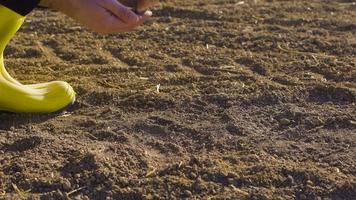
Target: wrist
52	4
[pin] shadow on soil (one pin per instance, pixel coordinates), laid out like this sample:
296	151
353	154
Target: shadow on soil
10	120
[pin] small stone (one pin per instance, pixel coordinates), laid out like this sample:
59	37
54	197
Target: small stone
66	185
232	187
284	122
78	197
211	90
85	197
336	170
302	196
231	175
290	180
231	181
309	182
192	175
352	122
205	176
58	194
197	185
173	68
199	180
188	193
239	191
213	191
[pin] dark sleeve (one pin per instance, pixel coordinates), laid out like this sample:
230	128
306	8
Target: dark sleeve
22	7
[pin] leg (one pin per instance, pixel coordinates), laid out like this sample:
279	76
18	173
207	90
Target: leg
15	97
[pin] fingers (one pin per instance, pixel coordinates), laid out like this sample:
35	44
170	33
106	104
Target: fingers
113	24
118	27
121	11
119	18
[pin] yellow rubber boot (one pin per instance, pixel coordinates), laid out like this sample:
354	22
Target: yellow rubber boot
15	97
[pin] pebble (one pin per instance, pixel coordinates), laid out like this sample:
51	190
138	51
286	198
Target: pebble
78	197
284	122
231	175
336	170
77	176
192	175
197	185
231	181
290	180
309	182
58	194
205	176
66	184
188	193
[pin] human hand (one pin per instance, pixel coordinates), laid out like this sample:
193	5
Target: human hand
102	16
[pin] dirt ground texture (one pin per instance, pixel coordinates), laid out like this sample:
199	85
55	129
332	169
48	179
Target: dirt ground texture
210	99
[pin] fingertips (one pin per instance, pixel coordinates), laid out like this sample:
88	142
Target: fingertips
114	24
145	16
122	12
128	16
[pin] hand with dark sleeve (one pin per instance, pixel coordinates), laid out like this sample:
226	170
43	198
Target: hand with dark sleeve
102	16
22	7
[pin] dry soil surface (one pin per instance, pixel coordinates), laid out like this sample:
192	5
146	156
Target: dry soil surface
219	99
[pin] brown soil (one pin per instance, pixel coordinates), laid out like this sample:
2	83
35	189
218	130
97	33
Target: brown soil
256	101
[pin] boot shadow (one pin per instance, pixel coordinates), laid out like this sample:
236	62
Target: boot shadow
9	121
